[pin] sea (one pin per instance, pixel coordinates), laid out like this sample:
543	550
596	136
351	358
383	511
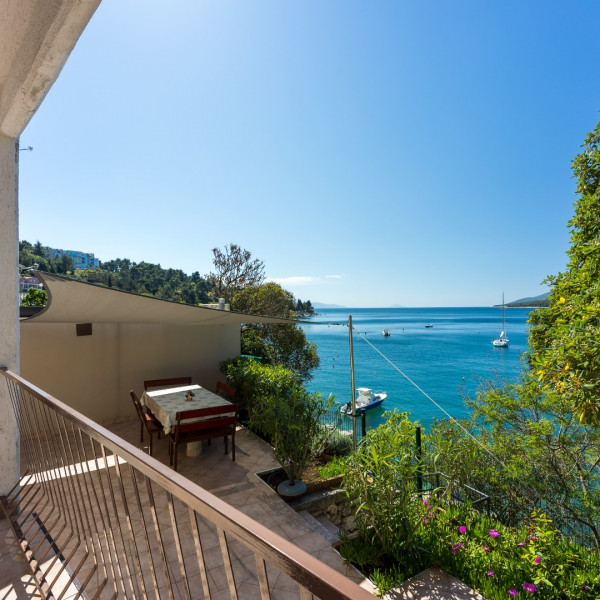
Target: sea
425	371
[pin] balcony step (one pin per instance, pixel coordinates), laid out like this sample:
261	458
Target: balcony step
321	525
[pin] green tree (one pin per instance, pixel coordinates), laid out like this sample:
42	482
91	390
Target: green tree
278	344
525	449
34	297
564	338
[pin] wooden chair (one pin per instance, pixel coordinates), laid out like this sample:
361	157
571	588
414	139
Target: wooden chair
149	383
147	420
203	424
226	391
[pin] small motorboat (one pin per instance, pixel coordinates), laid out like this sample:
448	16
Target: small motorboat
386	333
366	400
429	325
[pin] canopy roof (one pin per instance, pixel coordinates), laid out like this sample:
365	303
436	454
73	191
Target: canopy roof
72	301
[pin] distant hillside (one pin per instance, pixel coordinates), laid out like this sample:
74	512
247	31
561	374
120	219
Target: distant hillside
541	300
323	305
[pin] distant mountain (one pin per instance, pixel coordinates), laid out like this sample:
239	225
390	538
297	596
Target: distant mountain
541	300
323	305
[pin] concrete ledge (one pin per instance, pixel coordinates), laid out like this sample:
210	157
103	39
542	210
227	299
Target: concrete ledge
433	584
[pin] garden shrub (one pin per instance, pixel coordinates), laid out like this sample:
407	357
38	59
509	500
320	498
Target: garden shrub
254	381
291	422
380	484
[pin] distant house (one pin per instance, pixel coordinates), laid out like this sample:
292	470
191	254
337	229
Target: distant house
29	282
81	260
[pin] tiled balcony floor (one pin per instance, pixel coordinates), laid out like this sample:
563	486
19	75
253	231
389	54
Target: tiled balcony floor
237	484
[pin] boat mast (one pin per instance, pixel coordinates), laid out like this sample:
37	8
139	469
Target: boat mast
352	383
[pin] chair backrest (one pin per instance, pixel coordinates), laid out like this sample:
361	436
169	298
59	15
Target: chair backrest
213	417
149	383
226	391
138	405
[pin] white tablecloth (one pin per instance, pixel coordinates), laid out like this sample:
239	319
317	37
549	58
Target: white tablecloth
166	403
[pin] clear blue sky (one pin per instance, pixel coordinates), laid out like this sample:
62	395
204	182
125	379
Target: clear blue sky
370	153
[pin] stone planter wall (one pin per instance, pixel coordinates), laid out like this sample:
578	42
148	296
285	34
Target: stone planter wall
331	503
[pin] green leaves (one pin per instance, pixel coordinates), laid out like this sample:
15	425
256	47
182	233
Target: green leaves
564	338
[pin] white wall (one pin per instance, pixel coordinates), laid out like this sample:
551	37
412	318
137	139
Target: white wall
9	309
94	373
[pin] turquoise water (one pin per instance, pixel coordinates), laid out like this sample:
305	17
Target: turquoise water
445	361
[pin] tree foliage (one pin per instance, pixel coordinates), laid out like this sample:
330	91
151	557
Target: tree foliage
30	254
278	344
526	450
235	269
564	338
34	297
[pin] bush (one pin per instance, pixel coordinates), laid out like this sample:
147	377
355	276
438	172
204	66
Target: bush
255	381
380	484
291	421
329	440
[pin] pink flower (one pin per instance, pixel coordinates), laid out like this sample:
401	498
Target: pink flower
513	592
529	587
494	533
462	529
490	573
537	559
486	549
532	538
425	502
521	544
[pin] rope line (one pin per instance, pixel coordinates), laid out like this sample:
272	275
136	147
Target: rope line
478	442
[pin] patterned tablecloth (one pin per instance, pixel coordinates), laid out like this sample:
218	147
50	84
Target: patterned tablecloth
166	403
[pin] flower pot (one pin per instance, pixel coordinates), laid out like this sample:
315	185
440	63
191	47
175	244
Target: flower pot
285	488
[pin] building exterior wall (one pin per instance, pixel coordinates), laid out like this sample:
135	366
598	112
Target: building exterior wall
94	373
81	260
9	308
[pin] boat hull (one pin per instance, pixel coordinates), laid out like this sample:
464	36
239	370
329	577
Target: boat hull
347	408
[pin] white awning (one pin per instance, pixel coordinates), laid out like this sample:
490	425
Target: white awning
72	301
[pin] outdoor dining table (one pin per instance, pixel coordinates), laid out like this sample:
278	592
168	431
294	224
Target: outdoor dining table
166	403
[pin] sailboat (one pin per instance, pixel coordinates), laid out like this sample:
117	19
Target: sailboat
502	341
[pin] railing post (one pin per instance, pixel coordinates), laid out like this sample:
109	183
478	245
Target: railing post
353	391
419	458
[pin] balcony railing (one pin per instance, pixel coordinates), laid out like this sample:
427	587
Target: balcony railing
98	518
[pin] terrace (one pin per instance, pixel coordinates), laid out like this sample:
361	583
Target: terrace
97	514
97	517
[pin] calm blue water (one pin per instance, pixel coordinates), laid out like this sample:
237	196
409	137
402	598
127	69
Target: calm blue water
445	361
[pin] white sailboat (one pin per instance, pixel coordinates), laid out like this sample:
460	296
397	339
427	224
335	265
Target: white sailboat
502	341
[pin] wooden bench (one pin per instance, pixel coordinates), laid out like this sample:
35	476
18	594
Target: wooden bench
203	424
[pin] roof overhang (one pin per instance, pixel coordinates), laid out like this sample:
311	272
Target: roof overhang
36	38
72	301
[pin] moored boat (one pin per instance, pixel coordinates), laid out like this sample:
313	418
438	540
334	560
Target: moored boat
386	333
502	341
366	400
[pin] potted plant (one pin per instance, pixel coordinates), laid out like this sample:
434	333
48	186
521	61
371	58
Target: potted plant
290	420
